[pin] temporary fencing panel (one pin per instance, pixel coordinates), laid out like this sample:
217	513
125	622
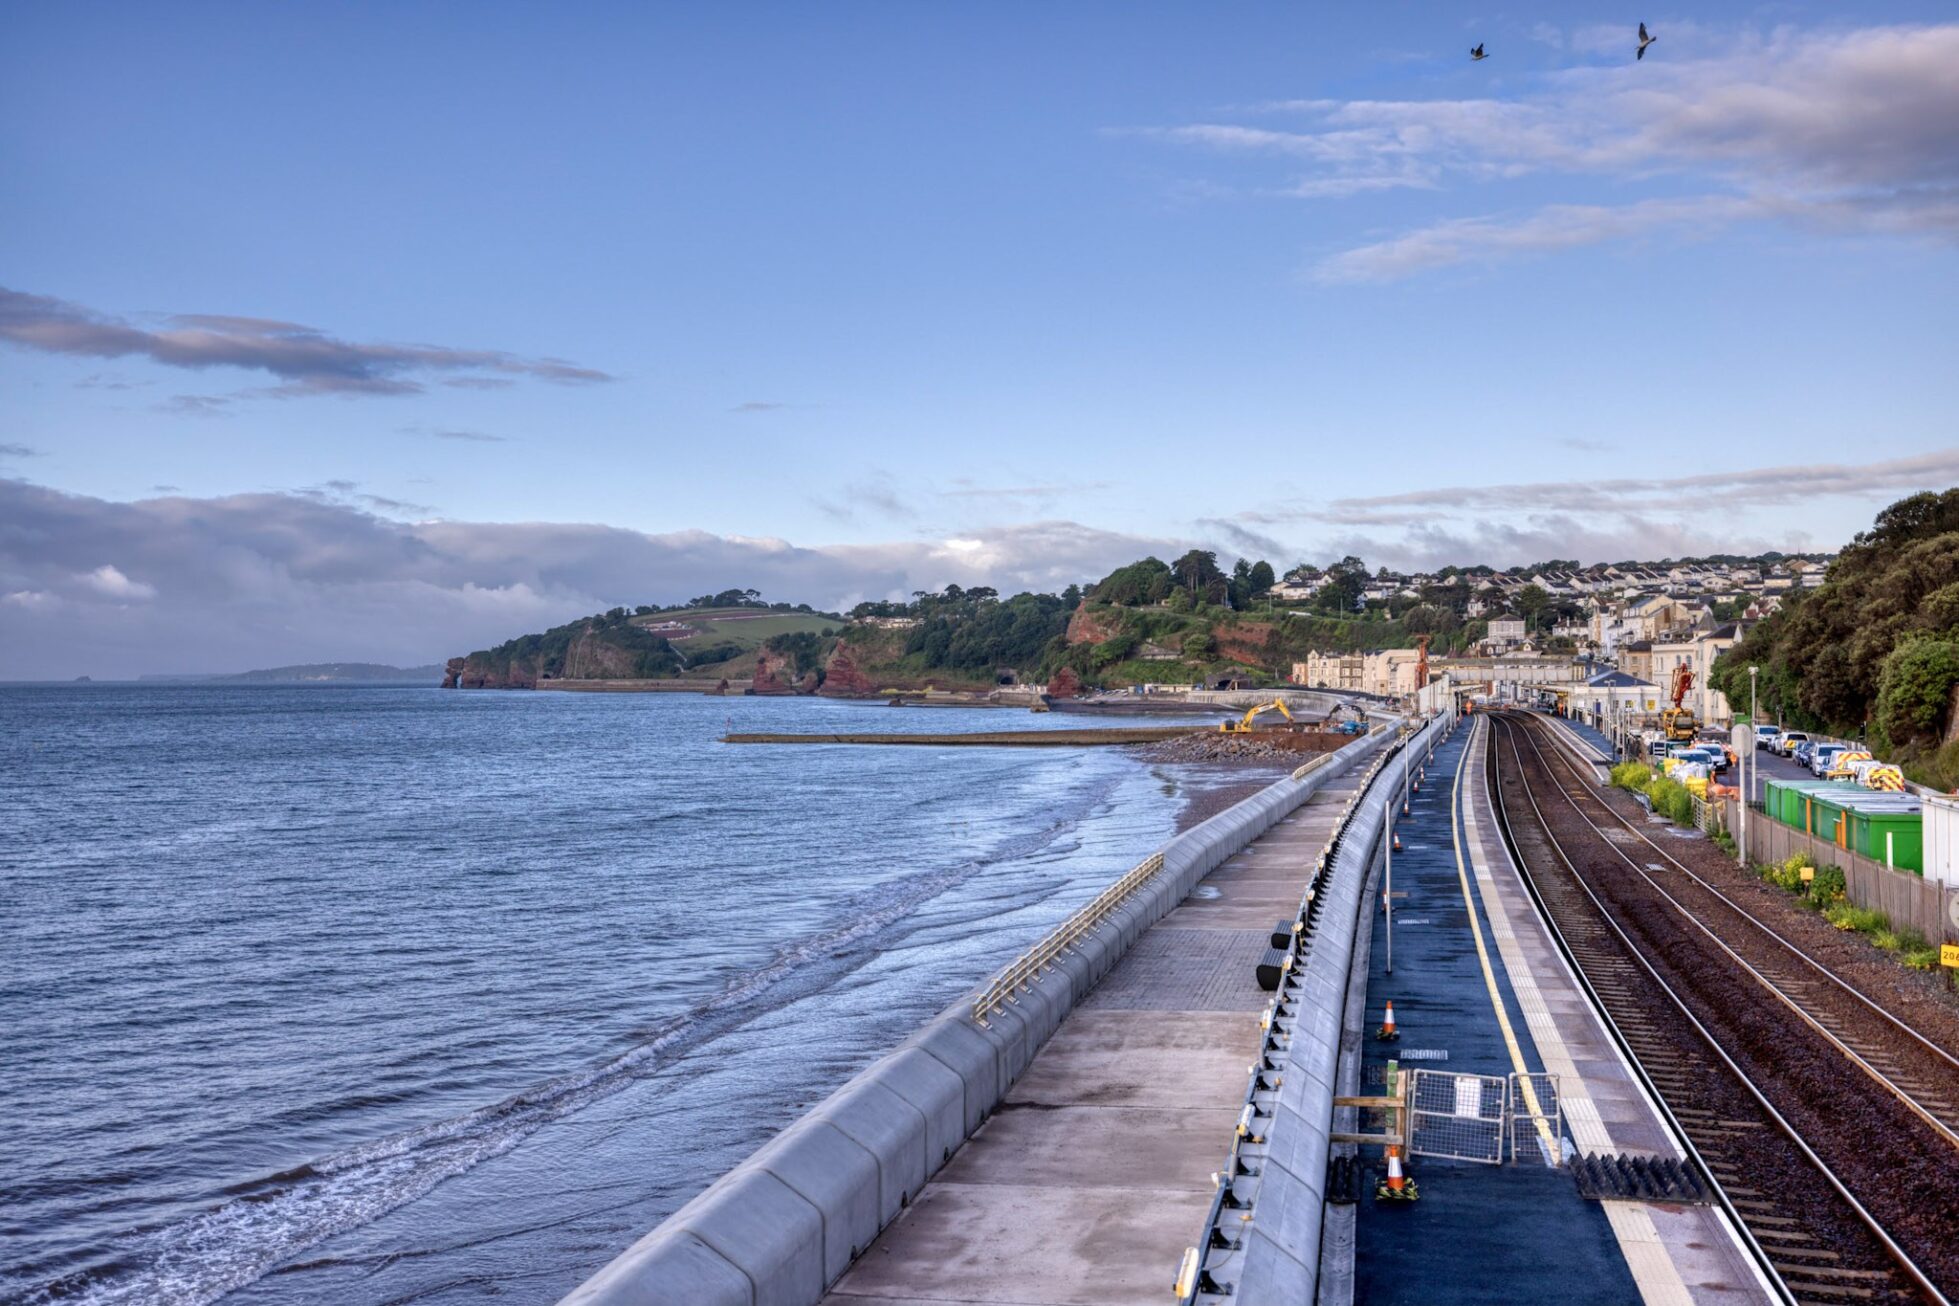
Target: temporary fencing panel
1536	1119
1458	1116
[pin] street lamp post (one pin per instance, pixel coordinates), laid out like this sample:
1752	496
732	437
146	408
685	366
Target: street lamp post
1748	779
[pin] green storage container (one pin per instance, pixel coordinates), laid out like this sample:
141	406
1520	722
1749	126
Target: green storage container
1828	813
1793	802
1890	835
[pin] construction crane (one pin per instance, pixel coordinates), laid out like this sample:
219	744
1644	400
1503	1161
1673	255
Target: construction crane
1243	726
1679	722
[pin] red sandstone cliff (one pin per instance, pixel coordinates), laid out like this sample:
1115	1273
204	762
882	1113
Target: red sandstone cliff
842	679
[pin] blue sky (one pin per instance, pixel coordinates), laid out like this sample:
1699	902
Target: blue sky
914	293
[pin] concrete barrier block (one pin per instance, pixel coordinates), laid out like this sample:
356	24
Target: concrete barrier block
938	1093
964	1049
890	1129
1010	1029
766	1230
667	1265
836	1175
1047	1006
1107	948
1272	1273
1074	966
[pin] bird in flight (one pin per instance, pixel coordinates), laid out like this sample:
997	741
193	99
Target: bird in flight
1644	41
1477	53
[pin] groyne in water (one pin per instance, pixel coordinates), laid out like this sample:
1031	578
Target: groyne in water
789	1221
1296	741
995	738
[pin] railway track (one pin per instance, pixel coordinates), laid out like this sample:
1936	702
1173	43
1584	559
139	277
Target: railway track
1846	1195
1923	1076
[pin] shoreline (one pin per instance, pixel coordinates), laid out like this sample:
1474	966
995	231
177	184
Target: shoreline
1233	783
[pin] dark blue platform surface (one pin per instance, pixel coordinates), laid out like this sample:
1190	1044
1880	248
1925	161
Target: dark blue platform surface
1480	1233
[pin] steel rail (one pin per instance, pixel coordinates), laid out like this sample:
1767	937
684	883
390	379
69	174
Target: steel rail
1899	1256
1675	1128
1903	1094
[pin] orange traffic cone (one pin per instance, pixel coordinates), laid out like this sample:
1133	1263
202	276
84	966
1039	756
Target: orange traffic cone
1397	1187
1388	1033
1397	843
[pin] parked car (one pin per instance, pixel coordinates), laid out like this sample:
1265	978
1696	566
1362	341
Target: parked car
1823	755
1766	736
1844	765
1800	754
1789	741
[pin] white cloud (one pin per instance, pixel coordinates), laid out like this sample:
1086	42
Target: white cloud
1843	130
109	582
1560	226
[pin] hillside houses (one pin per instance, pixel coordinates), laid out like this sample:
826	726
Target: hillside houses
1639	620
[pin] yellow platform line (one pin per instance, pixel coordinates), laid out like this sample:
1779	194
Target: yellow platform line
1483	952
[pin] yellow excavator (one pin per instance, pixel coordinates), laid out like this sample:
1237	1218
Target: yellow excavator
1243	726
1678	722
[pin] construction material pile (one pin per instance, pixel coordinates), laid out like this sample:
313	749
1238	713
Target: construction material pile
1215	746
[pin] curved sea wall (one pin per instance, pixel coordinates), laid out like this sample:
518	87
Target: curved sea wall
784	1225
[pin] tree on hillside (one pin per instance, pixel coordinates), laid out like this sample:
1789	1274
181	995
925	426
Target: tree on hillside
1197	571
1248	581
1345	580
1877	642
1137	585
1531	601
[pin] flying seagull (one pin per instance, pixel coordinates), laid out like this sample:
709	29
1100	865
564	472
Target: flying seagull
1477	53
1644	41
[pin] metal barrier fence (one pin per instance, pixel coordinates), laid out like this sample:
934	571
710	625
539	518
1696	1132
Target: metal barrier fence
1709	816
1483	1118
1461	1117
1536	1119
1026	969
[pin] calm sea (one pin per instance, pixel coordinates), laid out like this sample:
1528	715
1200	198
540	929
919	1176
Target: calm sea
363	995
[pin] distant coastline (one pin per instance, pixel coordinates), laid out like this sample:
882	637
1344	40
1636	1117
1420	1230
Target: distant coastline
307	673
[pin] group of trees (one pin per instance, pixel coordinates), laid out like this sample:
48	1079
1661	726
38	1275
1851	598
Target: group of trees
1876	647
979	635
1195	576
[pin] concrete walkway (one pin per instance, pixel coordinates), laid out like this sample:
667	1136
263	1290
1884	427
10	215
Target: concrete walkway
1094	1174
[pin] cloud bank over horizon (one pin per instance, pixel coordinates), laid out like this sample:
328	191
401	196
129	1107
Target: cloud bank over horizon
92	586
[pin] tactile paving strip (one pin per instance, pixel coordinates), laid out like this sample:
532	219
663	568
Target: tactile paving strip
1186	970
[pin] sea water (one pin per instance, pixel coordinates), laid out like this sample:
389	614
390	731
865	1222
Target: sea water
363	995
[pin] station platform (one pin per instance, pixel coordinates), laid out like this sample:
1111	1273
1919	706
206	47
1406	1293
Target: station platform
1593	743
1090	1179
1479	990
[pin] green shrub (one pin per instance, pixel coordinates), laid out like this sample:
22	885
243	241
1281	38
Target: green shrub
1861	919
1632	775
1887	940
1920	958
1828	887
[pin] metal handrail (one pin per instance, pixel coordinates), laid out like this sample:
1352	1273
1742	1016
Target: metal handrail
1026	970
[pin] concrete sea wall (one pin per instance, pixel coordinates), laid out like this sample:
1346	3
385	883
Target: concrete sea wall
1280	1258
786	1223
